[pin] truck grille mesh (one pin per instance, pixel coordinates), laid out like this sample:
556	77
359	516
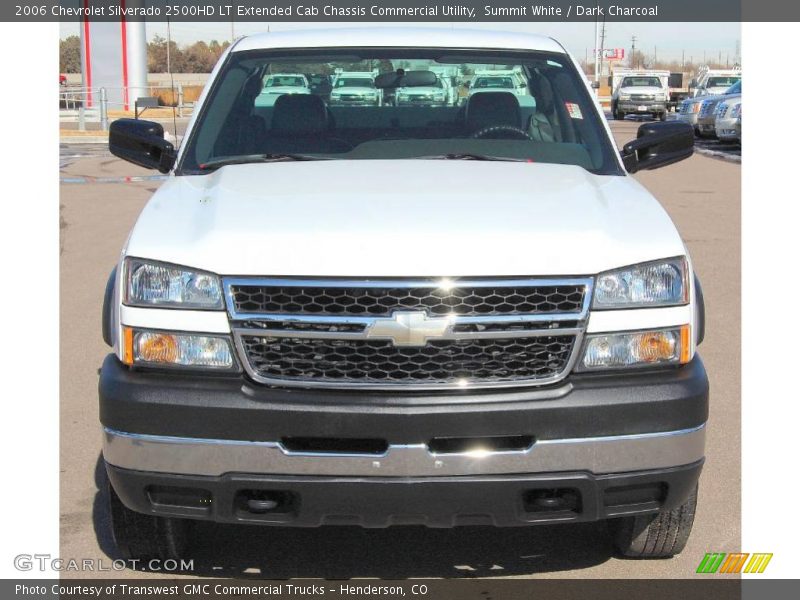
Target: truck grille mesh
438	362
383	301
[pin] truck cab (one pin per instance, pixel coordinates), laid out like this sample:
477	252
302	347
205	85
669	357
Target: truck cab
640	92
355	89
349	312
710	82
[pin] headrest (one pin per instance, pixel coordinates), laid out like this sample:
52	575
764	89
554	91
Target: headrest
488	109
301	113
543	92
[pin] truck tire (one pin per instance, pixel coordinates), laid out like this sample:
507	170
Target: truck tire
146	537
663	116
660	535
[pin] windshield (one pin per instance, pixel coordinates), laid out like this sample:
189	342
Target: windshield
285	81
355	82
494	82
641	82
721	81
549	116
736	88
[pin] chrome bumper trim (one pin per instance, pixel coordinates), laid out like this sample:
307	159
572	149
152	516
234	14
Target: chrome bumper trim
599	455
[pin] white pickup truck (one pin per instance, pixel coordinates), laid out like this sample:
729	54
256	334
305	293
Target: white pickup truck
384	315
640	92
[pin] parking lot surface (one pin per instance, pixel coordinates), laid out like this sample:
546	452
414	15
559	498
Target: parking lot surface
101	197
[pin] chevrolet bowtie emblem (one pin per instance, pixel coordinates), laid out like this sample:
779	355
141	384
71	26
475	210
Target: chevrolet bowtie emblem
410	328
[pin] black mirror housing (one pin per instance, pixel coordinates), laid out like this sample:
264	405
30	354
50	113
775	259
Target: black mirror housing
658	145
405	79
141	143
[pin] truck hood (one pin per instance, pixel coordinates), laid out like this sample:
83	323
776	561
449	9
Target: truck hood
284	89
403	218
712	91
642	90
360	91
420	91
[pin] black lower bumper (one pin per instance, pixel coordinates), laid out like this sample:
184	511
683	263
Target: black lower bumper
233	408
508	500
642	107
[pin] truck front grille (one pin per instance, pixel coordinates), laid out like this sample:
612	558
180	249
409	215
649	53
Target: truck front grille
381	362
495	298
422	333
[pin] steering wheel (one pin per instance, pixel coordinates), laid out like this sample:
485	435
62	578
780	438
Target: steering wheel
516	132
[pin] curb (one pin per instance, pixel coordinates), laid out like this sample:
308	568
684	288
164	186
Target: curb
718	154
83	139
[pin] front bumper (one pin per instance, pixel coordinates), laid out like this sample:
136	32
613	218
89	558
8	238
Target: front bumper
411	101
334	101
631	106
225	434
508	500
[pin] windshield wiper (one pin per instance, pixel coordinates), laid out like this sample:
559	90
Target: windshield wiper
216	163
470	156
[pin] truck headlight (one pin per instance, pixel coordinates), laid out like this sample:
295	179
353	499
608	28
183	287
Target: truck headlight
636	349
657	283
169	349
624	96
157	284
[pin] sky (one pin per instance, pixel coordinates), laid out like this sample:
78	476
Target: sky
670	41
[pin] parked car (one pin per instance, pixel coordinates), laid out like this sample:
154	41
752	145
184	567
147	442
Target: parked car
728	121
690	112
710	82
286	83
436	94
335	314
511	80
355	89
707	116
641	93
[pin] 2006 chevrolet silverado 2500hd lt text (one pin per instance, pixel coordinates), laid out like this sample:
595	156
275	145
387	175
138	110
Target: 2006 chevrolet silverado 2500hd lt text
386	315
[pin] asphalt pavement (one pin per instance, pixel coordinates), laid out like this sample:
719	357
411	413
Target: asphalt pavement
100	200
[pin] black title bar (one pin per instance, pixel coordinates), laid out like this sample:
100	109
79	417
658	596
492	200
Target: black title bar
447	11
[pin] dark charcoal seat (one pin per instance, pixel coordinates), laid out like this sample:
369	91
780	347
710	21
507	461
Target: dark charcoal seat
492	109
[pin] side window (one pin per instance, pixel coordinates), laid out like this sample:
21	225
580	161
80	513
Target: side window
577	125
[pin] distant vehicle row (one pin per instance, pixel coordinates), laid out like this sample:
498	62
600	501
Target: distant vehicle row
716	116
358	88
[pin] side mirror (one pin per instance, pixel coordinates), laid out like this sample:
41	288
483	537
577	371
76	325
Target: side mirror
595	85
141	143
658	145
467	84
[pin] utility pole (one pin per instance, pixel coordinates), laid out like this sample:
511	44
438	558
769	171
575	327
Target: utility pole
602	44
233	35
596	49
655	56
633	51
683	59
169	43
